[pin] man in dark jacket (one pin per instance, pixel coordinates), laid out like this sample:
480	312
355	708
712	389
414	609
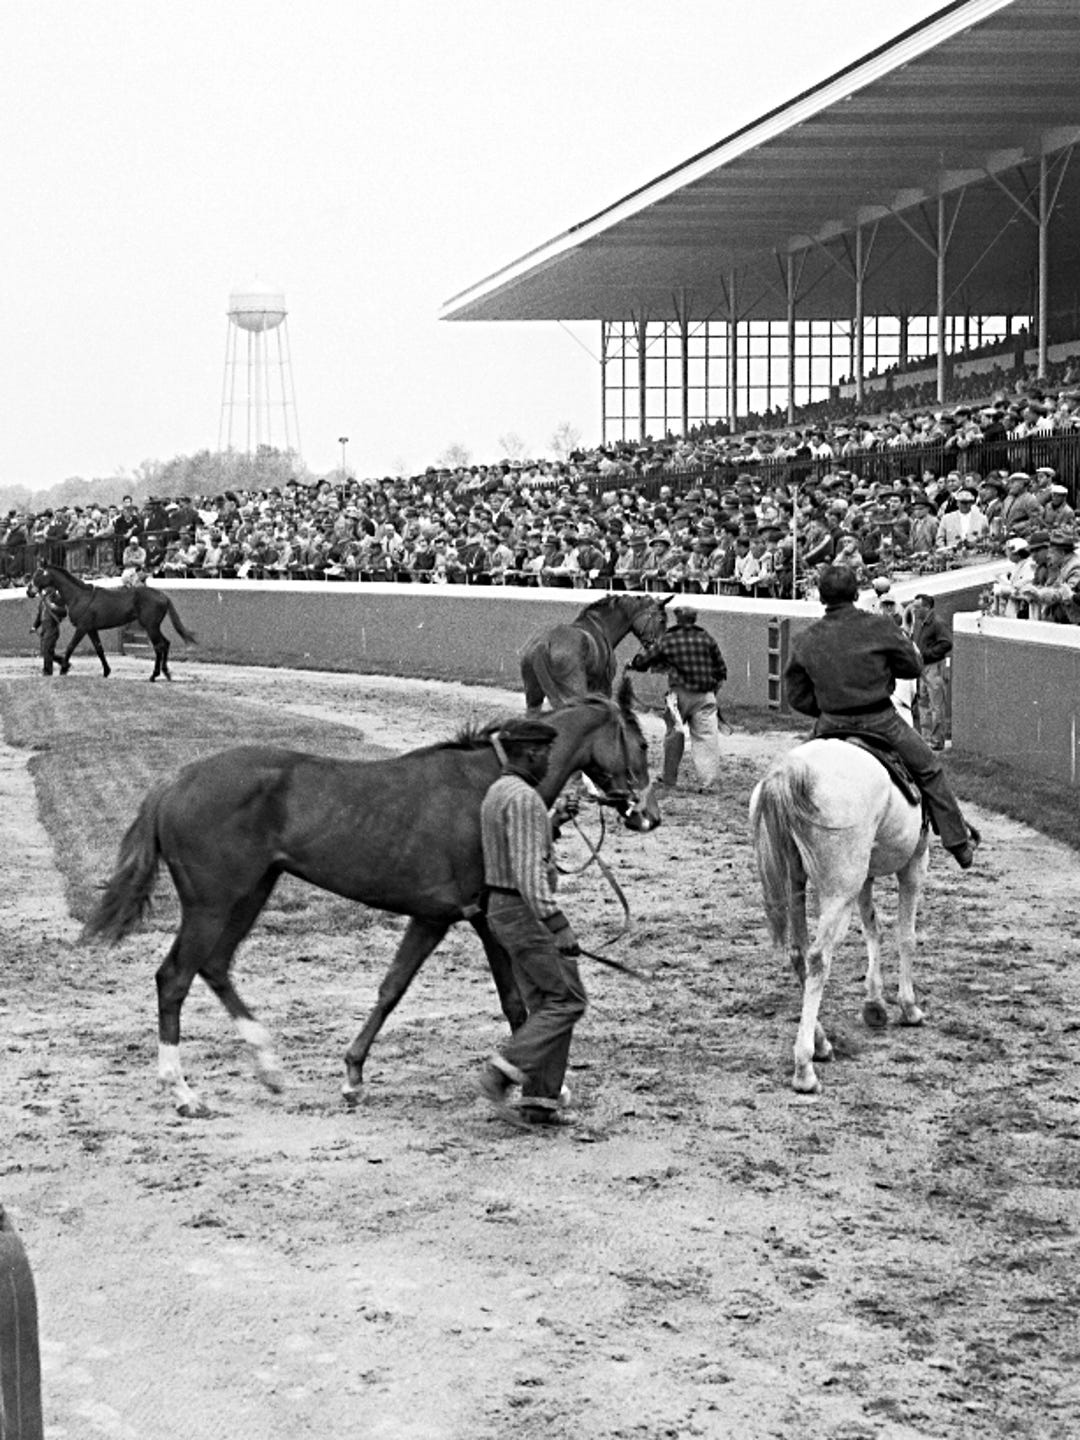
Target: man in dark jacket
842	670
933	642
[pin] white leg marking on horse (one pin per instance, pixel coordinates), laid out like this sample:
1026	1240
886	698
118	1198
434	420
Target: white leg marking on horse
267	1065
171	1074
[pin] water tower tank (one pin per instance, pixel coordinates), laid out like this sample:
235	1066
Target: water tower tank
257	307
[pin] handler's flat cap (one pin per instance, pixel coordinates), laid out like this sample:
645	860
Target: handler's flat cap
527	732
685	612
1063	539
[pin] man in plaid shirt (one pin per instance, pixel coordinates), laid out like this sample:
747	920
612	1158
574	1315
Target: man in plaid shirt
696	670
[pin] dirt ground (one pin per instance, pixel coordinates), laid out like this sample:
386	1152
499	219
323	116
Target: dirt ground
704	1254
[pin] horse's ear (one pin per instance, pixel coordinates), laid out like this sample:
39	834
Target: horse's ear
666	601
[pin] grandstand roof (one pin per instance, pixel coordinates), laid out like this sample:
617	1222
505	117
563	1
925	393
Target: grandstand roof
961	104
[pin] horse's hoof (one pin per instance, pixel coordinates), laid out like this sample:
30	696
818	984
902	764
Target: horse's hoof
193	1110
911	1015
823	1053
875	1015
806	1082
351	1094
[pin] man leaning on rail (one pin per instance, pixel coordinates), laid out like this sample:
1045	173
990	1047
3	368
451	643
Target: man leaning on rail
842	670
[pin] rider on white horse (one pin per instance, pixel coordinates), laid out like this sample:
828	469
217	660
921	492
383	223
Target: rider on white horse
843	669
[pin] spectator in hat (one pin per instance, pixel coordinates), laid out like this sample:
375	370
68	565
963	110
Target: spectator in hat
526	919
1058	514
1058	594
1020	511
696	670
965	528
1009	588
924	526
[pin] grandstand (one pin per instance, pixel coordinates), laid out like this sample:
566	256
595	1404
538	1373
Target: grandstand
905	229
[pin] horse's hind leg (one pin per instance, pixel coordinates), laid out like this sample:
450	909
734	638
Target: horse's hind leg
799	936
205	946
912	879
419	940
161	651
874	1012
833	919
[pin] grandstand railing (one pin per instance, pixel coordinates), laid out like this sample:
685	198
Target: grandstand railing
888	466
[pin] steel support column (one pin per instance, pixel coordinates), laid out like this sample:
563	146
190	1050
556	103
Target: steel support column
732	356
860	342
1044	260
641	326
791	339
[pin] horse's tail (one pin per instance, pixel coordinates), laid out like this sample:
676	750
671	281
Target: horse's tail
781	809
178	625
129	889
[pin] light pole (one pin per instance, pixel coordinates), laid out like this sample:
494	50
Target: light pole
343	440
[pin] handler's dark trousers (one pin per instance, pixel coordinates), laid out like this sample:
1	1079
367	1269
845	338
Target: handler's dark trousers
926	769
49	634
553	994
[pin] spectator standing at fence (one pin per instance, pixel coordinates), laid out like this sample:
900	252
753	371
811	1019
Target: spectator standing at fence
1058	596
1009	599
126	523
1057	512
1020	511
934	643
696	670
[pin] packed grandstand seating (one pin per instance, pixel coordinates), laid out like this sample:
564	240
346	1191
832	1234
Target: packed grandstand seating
751	514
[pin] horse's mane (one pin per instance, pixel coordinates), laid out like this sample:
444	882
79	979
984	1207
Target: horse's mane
474	735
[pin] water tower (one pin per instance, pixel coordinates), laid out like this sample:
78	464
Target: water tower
258	402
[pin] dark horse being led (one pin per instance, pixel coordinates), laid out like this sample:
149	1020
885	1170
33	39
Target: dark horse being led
568	661
97	607
401	835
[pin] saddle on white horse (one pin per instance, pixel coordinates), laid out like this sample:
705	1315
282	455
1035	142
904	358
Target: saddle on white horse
883	752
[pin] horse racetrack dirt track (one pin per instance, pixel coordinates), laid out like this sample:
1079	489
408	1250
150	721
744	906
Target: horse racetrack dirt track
704	1254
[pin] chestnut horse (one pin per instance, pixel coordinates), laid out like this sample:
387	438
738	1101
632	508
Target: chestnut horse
401	835
576	659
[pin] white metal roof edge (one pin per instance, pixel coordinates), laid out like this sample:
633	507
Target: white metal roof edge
892	56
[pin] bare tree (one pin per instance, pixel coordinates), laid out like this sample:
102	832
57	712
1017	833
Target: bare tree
512	445
455	457
565	439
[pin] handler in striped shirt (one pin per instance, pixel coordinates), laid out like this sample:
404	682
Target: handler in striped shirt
696	670
525	918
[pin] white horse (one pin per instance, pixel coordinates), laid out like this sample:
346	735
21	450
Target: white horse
829	814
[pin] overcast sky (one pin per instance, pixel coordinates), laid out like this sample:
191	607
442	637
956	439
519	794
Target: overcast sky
369	159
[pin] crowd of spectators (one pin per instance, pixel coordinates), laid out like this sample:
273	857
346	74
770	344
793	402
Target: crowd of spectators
751	514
